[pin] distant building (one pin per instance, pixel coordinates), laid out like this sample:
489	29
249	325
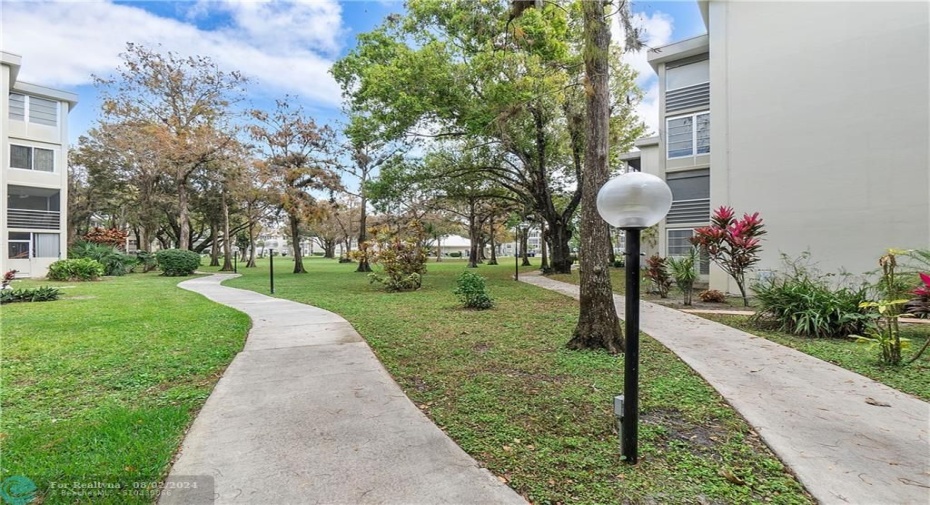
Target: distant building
34	177
814	114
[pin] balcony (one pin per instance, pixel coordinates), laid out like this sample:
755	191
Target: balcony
33	219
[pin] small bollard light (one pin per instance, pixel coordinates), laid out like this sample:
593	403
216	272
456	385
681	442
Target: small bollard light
618	413
271	245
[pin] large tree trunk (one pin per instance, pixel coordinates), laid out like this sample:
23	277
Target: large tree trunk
524	242
493	260
251	263
227	243
598	324
329	248
561	257
544	247
184	225
214	247
472	237
363	265
295	239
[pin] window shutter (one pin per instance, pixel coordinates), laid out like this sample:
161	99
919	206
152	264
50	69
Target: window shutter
42	111
17	106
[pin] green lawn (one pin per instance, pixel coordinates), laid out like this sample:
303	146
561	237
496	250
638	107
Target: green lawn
502	385
851	355
102	384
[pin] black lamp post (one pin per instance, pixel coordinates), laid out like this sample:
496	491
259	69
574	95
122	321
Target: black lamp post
235	251
632	202
271	245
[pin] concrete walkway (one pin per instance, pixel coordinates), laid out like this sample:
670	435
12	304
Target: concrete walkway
849	439
306	414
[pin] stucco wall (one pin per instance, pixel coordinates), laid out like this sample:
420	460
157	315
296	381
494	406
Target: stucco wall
821	122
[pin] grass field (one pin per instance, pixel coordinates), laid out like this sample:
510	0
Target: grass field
101	385
502	385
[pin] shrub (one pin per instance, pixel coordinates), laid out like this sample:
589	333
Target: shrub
80	269
106	236
8	278
733	244
919	305
802	302
42	294
712	296
146	260
472	291
455	254
685	273
399	254
618	263
657	273
113	261
177	263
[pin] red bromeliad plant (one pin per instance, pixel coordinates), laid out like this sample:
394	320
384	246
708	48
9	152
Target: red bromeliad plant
920	304
733	244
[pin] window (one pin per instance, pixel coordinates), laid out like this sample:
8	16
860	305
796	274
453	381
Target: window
687	73
38	110
46	245
688	135
679	243
19	245
690	197
32	158
17	106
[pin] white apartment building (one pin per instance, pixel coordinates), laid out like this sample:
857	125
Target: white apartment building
814	114
34	175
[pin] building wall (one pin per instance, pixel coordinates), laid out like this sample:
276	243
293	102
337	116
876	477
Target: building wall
821	122
30	134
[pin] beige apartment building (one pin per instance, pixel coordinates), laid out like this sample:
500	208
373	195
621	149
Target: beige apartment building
34	176
814	114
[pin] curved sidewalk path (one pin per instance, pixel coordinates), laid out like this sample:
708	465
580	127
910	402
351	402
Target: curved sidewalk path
814	415
306	414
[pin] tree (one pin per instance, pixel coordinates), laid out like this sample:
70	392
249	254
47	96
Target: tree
181	105
598	324
732	244
368	152
298	156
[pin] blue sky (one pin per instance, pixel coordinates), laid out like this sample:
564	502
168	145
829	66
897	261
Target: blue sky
284	47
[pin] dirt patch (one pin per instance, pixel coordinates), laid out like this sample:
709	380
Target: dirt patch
481	347
677	428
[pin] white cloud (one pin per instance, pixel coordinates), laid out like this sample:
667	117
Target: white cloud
287	48
657	31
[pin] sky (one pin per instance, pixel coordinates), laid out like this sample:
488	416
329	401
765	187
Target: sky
285	48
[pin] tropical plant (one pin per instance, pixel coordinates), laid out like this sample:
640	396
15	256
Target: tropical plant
733	244
883	332
656	272
472	291
801	301
41	294
8	278
80	269
112	237
400	256
684	272
113	261
177	262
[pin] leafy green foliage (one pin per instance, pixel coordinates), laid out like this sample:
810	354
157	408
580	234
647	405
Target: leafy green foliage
801	301
472	291
400	256
80	269
884	332
177	262
656	273
40	294
712	296
114	262
685	273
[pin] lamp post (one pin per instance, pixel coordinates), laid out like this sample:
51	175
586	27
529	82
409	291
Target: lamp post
271	245
632	202
235	251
